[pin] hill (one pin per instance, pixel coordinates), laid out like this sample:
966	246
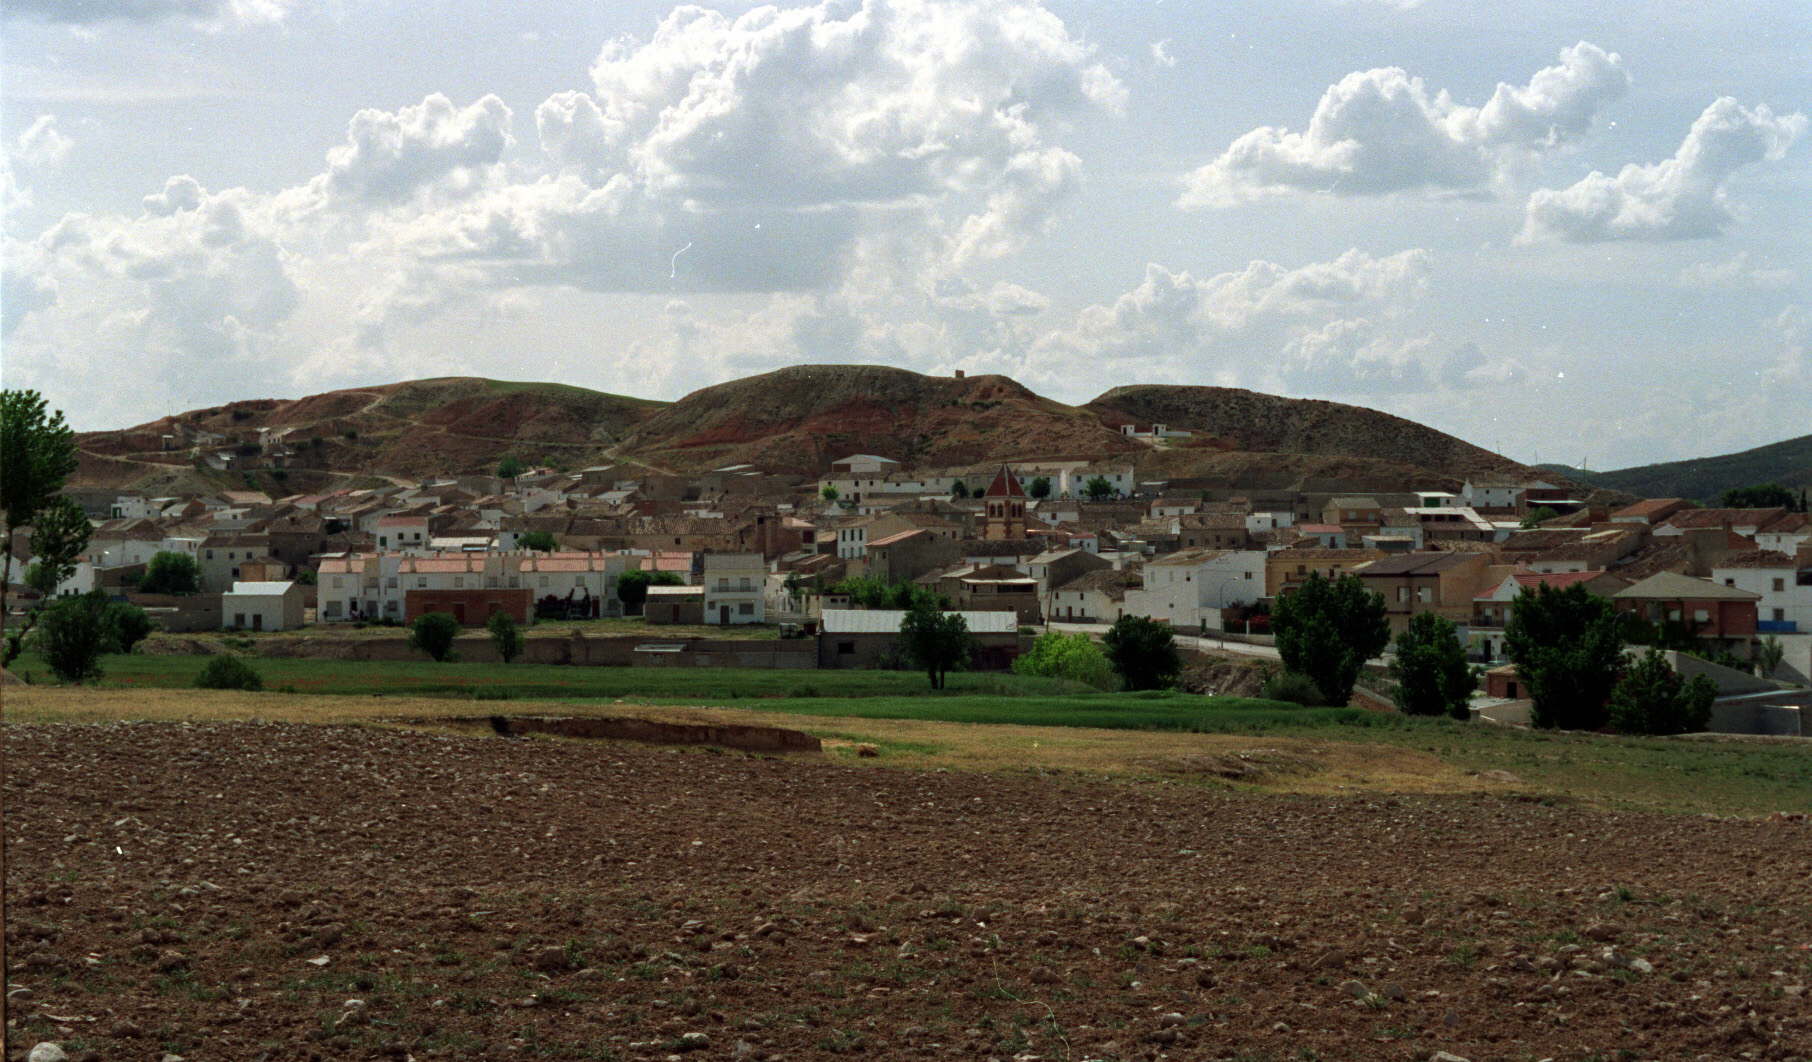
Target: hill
411	429
802	418
1788	463
794	420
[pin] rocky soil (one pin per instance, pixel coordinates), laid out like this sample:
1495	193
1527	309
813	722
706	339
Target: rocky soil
262	891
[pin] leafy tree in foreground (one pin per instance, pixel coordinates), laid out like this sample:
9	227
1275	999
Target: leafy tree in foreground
1432	675
505	635
127	625
1040	488
1567	646
1098	488
1144	652
936	641
632	587
1652	698
37	453
1327	629
72	634
59	534
433	633
1070	656
170	572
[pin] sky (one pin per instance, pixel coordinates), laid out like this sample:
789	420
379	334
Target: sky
1568	232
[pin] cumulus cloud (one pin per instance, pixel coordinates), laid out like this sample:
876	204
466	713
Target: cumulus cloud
1734	273
388	155
1161	55
1381	131
1322	327
1468	366
42	145
1678	198
211	14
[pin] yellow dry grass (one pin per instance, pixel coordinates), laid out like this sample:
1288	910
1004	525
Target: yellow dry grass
1275	764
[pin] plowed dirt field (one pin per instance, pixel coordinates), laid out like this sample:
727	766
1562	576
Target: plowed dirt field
279	891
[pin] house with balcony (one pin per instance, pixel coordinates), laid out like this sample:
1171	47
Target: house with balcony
1412	583
1286	569
734	585
1722	616
1784	586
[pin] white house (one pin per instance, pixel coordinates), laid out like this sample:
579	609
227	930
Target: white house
1492	494
572	576
402	532
262	606
1786	604
1190	587
1270	520
852	541
734	585
1785	535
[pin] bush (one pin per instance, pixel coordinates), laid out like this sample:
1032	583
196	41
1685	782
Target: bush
1652	698
1144	652
433	633
229	673
169	572
72	634
505	635
1293	687
127	625
1070	656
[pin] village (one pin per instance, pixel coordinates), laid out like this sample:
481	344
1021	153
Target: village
650	568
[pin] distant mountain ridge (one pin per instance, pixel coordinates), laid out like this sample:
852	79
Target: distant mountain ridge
792	421
1703	479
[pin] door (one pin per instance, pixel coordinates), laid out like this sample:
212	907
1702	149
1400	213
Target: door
257	621
723	614
459	612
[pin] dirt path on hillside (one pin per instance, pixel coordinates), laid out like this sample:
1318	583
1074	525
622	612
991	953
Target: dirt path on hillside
280	891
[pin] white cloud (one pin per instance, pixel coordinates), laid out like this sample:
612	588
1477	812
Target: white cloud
208	14
1469	367
1682	197
1734	273
388	155
42	145
1791	373
1381	131
1160	53
1322	327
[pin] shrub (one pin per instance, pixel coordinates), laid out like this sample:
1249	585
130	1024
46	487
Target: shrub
505	635
127	625
169	572
433	633
72	634
1070	656
1294	687
1652	698
1144	652
229	673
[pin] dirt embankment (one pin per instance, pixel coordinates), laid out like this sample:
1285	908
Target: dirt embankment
297	892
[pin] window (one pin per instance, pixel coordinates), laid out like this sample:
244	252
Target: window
747	608
421	582
210	554
1700	615
1732	582
1779	585
1423	594
459	582
1402	593
331	610
336	582
1780	614
846	648
723	583
238	619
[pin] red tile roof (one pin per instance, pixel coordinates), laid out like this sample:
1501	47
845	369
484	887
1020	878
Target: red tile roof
1005	485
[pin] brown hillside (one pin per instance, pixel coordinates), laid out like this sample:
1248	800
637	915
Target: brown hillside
1239	420
800	419
415	428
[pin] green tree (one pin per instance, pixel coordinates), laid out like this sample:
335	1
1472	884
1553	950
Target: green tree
169	572
510	467
1538	515
829	494
505	635
1098	488
72	634
1652	698
632	587
1759	496
1040	488
537	540
37	454
1327	629
936	641
127	625
870	592
1431	671
433	633
959	489
1070	656
1567	646
59	534
1768	655
1143	653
